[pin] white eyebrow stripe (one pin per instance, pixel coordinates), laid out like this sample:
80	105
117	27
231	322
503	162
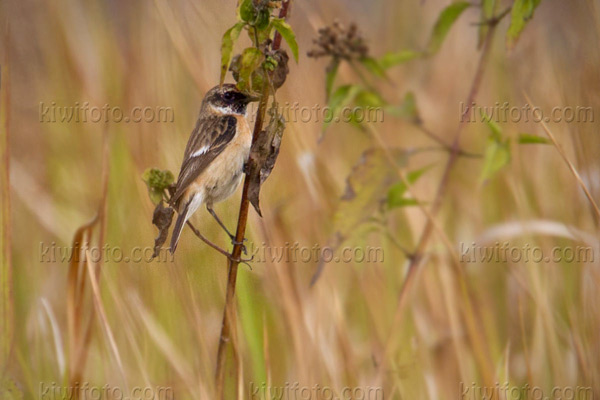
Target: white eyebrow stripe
221	110
201	151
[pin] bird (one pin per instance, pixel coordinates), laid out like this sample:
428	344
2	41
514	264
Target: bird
214	157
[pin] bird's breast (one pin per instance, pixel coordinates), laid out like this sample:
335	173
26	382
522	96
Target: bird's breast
225	173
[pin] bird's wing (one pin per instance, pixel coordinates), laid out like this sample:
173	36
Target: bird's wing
208	139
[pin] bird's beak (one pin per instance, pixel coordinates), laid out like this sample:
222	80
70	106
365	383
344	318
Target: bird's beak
250	98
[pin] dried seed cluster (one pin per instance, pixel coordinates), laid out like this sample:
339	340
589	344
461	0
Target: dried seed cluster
339	42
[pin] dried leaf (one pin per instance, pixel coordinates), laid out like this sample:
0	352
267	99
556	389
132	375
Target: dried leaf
263	155
366	187
162	218
281	70
276	63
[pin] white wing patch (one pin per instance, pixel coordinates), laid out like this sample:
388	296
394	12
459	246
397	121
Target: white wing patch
202	150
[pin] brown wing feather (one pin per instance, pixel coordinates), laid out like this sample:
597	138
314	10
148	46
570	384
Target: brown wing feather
212	133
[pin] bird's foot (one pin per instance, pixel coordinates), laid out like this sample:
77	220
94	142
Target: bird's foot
240	260
236	243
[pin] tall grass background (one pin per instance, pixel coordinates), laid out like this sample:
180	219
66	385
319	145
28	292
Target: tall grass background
157	323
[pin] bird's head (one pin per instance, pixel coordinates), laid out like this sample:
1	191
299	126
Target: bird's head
227	99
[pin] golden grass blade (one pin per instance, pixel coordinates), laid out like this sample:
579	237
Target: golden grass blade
102	314
75	302
79	345
171	353
56	335
572	168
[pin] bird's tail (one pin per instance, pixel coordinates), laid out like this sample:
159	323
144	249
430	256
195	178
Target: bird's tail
179	224
184	214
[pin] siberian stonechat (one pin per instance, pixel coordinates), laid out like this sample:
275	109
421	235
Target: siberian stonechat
214	158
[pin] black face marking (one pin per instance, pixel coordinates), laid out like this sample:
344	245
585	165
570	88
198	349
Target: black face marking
228	97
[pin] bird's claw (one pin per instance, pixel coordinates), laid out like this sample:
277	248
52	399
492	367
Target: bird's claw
236	243
242	261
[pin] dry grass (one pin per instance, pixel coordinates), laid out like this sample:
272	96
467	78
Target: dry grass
157	324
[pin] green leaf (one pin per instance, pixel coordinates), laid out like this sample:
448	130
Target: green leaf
262	22
229	38
526	138
396	192
373	66
407	110
157	181
495	129
247	11
369	98
330	76
393	59
406	202
497	153
286	32
342	96
522	12
445	21
250	60
497	156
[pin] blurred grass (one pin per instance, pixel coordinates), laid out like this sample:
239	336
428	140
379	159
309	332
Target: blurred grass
540	322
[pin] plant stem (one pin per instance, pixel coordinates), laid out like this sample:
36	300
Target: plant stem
229	309
418	254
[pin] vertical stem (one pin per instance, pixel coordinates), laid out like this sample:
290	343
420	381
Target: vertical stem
476	340
6	268
229	309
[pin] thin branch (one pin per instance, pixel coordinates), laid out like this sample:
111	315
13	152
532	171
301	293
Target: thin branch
205	240
443	143
419	252
6	265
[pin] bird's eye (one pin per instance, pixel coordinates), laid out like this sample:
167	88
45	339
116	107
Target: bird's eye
229	96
